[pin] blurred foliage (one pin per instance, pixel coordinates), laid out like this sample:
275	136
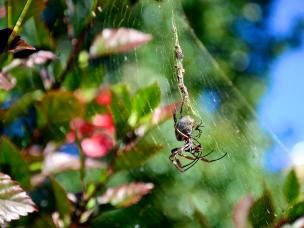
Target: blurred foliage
114	97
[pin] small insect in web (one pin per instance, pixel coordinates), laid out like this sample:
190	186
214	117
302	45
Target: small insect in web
185	128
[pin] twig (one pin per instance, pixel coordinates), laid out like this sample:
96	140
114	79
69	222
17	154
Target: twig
82	160
76	48
20	20
180	71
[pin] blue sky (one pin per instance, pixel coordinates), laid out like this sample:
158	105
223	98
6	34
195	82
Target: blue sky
282	107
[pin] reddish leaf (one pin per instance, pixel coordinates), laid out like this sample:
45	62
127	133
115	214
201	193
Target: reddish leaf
241	211
163	113
104	97
39	58
125	195
2	12
111	41
6	82
56	162
99	145
14	202
97	138
104	121
17	46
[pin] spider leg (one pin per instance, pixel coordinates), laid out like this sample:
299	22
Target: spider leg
173	158
205	155
181	133
196	141
176	162
213	160
191	164
198	128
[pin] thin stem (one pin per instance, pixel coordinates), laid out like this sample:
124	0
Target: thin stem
9	14
82	161
19	21
76	47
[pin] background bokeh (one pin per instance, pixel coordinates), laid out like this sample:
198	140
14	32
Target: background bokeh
244	72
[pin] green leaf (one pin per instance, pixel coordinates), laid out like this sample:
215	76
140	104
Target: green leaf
291	187
295	212
63	204
14	202
35	9
143	103
13	163
261	213
70	180
59	107
120	108
135	155
37	34
22	105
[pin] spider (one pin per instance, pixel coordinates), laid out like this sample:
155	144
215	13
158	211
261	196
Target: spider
184	129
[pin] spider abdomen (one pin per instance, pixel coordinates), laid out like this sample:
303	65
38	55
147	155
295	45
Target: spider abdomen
184	128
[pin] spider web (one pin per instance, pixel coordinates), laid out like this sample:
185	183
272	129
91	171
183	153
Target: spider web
208	189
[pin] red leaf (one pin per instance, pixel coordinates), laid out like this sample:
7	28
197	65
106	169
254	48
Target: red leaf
163	113
6	82
98	145
104	97
39	58
104	121
2	12
125	195
241	211
111	41
14	202
18	47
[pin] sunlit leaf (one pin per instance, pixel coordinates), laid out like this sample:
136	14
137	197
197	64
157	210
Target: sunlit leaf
63	205
261	213
111	41
291	187
241	211
125	195
120	108
143	103
6	81
14	202
135	154
13	163
295	212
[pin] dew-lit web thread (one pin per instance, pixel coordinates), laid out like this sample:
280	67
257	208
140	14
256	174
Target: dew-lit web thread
180	71
231	84
235	89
